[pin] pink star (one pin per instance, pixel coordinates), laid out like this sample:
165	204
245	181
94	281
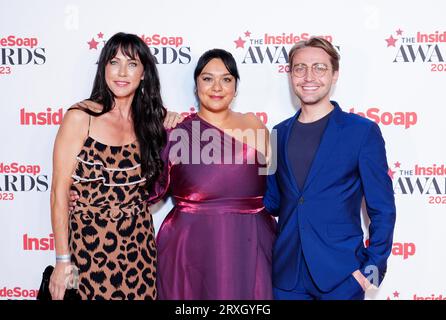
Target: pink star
93	44
397	164
399	32
100	35
396	294
391	41
247	34
390	173
388	298
239	43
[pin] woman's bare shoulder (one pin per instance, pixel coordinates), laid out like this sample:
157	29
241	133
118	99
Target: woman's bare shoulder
253	121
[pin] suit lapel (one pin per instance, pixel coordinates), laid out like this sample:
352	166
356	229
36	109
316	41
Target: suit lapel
327	145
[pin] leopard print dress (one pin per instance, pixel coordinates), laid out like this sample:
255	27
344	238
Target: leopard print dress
111	233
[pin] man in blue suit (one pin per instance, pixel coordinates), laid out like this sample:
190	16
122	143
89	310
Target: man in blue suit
327	162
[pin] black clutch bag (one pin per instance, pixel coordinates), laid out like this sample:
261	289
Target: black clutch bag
44	290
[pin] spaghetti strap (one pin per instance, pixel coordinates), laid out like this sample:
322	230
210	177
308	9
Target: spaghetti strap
82	106
89	121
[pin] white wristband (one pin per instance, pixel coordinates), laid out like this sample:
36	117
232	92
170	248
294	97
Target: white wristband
63	258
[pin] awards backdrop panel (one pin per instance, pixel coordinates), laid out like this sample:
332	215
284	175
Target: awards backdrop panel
392	71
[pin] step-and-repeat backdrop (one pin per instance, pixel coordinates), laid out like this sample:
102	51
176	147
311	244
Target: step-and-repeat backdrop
393	71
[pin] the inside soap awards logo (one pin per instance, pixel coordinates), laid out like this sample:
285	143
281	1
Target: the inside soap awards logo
20	50
426	180
397	295
269	48
43	117
404	250
18	293
426	47
402	119
167	49
18	177
31	243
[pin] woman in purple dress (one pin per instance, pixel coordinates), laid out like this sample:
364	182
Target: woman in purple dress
217	241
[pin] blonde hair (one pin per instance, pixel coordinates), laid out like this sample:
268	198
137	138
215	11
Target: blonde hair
316	42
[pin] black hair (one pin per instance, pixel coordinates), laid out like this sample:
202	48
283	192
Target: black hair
221	54
147	110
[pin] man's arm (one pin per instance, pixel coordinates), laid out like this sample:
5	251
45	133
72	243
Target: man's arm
272	195
380	202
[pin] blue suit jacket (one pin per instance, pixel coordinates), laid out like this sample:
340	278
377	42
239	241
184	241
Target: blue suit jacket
349	165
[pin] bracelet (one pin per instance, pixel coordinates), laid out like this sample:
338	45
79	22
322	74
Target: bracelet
63	258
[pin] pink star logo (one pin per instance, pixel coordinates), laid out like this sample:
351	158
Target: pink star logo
399	32
100	35
390	173
239	43
93	44
397	164
247	34
396	294
391	41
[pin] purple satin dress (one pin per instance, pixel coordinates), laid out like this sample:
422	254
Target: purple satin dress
217	241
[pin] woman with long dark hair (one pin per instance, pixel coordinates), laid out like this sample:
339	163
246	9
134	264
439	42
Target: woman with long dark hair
108	150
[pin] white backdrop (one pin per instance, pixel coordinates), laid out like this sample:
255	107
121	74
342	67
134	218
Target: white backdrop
392	70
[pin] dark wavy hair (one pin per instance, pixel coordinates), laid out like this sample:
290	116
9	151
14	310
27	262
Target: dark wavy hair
148	112
221	54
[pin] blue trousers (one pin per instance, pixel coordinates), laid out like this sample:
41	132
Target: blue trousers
306	289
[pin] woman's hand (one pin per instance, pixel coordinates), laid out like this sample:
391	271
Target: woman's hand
72	200
59	280
172	119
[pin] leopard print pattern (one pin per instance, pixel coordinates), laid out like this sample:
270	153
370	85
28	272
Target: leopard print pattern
111	233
